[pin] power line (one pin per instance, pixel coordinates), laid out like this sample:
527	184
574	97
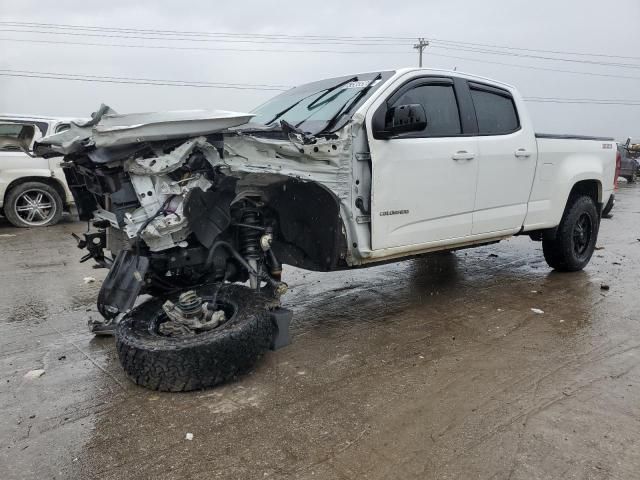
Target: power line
532	67
200	34
184	83
217	40
403	40
421	46
213	84
279	41
130	81
168	47
210	49
538	57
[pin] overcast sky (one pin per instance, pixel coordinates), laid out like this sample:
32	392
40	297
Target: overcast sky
588	26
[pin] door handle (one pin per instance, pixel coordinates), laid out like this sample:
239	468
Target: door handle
463	155
522	153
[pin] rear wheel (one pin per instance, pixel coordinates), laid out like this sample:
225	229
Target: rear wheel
572	246
33	204
182	363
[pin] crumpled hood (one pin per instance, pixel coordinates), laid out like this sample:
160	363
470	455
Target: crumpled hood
109	129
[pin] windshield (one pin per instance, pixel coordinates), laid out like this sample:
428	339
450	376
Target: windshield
310	106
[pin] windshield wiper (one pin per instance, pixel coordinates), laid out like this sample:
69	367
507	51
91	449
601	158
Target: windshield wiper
331	89
310	106
349	104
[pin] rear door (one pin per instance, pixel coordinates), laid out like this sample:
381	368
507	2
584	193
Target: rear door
507	156
424	183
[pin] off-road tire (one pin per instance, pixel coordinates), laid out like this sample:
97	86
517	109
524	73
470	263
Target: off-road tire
180	364
560	252
16	192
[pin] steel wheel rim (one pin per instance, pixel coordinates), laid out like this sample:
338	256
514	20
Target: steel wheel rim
582	231
35	207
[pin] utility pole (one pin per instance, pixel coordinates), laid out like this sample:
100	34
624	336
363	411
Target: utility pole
420	46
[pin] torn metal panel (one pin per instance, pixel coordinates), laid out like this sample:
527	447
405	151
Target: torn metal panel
327	161
109	129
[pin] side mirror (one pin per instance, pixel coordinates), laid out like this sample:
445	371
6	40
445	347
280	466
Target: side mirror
404	118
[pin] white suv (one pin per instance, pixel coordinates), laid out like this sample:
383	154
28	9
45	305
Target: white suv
33	190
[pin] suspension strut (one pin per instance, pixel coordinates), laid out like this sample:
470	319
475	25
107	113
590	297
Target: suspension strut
249	240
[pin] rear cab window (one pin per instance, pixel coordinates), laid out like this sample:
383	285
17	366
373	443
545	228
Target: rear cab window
496	111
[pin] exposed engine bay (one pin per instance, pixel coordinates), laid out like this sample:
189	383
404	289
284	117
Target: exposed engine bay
199	203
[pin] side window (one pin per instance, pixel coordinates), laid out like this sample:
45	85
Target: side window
440	105
62	127
12	133
496	112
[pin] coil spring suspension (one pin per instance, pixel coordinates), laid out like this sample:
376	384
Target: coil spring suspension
249	238
190	304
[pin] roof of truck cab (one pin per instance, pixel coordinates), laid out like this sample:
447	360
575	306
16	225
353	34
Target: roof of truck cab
455	73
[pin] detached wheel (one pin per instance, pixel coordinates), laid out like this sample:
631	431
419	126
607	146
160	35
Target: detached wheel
572	247
183	363
33	204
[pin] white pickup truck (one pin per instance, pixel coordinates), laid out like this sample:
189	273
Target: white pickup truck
335	174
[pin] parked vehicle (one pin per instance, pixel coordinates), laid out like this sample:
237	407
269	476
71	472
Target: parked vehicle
340	173
33	190
630	161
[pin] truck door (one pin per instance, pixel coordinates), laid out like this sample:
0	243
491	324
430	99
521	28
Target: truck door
423	183
506	162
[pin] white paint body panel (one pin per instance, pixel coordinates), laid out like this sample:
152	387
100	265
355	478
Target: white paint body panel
418	175
16	165
507	165
493	196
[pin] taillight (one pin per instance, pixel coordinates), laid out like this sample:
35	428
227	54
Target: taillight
618	167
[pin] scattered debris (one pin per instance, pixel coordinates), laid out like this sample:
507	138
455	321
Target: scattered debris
89	280
604	286
599	247
62	357
7	235
616	263
34	374
189	436
493	255
537	310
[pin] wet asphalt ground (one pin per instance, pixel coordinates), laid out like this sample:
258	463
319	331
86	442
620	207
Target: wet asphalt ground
430	368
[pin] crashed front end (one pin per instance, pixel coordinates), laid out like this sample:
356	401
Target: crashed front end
179	200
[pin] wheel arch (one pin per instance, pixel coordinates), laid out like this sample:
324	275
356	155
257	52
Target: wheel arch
311	233
590	187
51	181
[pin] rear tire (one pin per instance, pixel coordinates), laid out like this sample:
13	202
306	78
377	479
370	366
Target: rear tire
33	204
180	364
572	246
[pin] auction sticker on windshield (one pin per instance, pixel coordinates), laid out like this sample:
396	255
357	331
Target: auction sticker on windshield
360	84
